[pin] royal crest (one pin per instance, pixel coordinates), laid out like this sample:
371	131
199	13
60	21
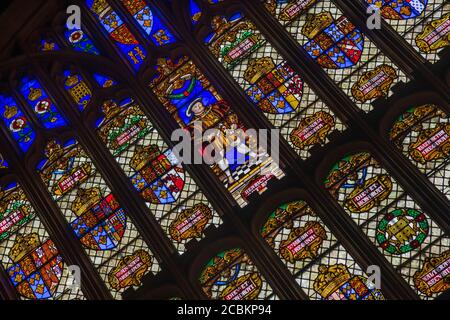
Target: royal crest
312	130
237	43
15	211
410	119
123	128
160	178
275	89
402	231
434	277
284	215
220	263
190	223
303	243
366	196
436	35
431	144
375	83
345	167
72	178
334	44
246	287
78	89
37	268
130	270
101	222
335	282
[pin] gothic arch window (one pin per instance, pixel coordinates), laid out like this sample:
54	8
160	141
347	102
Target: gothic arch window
18	126
422	133
98	220
231	275
79	41
424	24
348	56
401	230
31	260
118	32
92	211
321	265
270	83
92	179
157	175
189	96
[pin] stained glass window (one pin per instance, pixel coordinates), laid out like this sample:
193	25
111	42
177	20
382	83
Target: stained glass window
190	98
97	219
195	11
349	57
3	162
157	175
118	32
424	24
32	261
400	229
104	81
80	41
41	104
48	44
78	89
322	266
231	275
423	135
16	122
271	84
150	23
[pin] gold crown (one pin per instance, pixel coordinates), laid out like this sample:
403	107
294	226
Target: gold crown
110	108
86	198
10	112
23	246
143	155
72	80
35	94
99	6
53	150
330	278
258	68
316	23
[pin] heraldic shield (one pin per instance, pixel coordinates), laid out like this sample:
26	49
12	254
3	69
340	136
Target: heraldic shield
160	176
37	268
400	9
335	282
101	221
334	44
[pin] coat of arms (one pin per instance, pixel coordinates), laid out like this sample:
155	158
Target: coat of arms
37	268
334	44
335	282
